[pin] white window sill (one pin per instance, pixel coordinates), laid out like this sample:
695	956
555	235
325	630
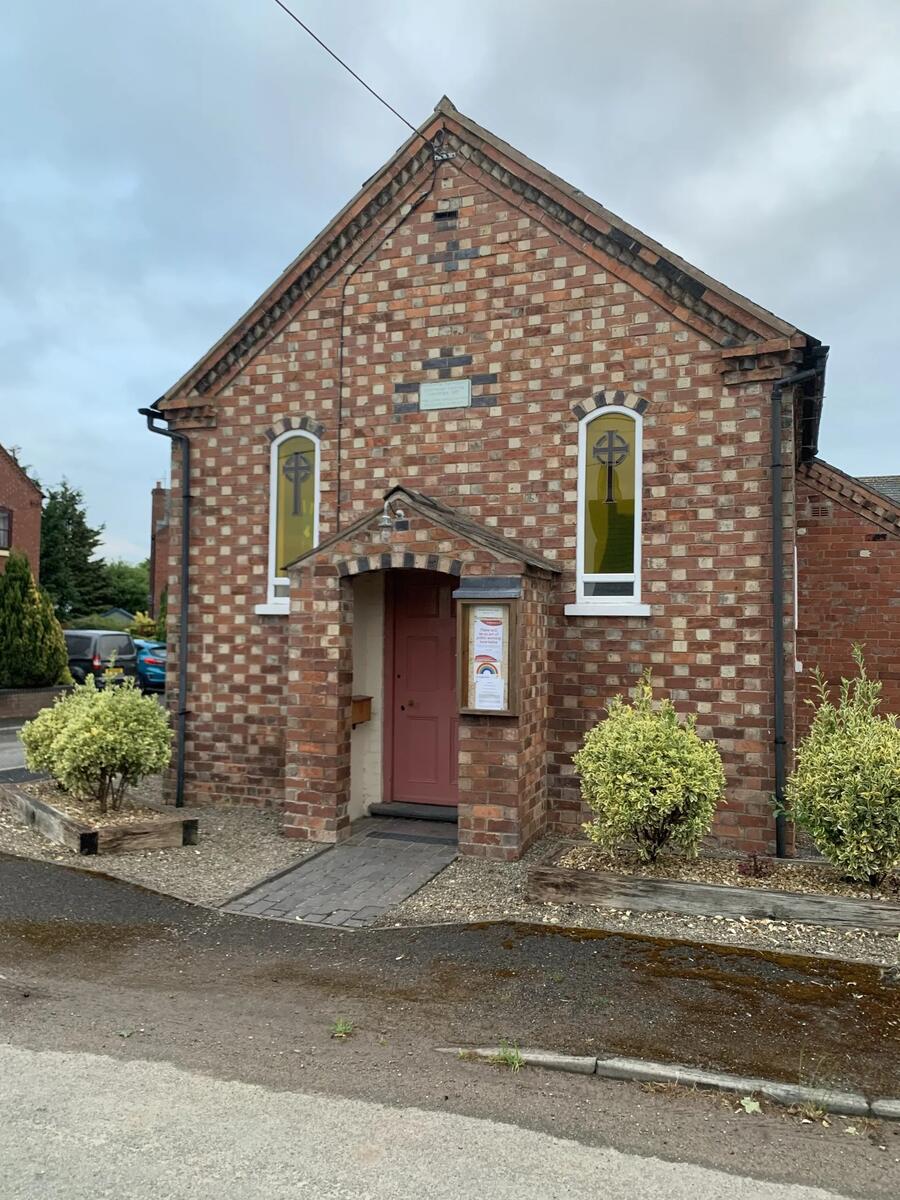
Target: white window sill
273	609
585	609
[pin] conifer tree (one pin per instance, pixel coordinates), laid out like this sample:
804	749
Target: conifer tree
71	575
32	646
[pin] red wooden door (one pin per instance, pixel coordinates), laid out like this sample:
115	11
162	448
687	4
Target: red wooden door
420	674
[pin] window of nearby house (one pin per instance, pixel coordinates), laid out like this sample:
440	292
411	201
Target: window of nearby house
293	511
609	515
5	529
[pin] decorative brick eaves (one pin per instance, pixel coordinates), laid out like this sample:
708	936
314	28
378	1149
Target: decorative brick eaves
691	296
851	494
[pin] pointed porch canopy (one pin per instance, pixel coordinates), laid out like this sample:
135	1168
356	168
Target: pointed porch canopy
414	531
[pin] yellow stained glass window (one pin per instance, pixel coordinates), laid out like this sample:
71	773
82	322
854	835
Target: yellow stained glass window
295	528
609	496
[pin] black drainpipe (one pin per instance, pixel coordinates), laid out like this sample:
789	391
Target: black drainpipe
153	415
778	601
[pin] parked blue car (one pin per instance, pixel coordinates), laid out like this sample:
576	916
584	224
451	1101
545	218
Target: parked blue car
151	665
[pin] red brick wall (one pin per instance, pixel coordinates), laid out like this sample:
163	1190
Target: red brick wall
159	546
502	298
849	591
19	495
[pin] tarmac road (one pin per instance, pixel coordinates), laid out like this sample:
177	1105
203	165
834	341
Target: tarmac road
11	752
197	1057
84	1127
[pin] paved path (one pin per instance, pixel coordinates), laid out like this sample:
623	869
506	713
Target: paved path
352	884
88	1127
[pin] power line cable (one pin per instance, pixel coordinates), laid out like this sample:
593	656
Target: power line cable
358	78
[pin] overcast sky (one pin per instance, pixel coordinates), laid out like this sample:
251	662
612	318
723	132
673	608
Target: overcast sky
161	163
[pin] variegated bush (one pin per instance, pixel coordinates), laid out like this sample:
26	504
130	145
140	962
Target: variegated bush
98	743
648	777
845	790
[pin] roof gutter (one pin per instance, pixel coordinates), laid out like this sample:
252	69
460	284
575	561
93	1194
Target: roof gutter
153	414
809	434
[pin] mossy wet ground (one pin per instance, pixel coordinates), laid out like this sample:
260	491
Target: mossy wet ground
816	1021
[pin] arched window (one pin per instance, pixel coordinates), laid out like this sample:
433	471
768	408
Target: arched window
609	514
293	511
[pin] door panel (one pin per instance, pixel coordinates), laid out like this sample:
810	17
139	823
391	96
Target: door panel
421	734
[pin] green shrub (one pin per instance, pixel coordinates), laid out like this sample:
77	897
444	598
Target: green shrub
96	744
96	621
649	778
162	618
143	626
32	646
845	789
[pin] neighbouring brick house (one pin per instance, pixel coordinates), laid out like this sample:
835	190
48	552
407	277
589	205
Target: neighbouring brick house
848	546
478	382
20	513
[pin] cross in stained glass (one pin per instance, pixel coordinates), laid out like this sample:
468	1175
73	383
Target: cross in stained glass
296	469
610	449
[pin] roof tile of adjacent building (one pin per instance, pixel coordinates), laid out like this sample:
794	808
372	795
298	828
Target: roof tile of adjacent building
888	485
11	459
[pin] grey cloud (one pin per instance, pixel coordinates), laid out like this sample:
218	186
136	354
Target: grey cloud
166	161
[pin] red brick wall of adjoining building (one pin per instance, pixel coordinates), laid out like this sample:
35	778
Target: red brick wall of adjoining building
159	546
849	588
540	322
23	499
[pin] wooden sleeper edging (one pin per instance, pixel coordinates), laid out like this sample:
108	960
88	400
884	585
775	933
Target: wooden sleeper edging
549	882
58	827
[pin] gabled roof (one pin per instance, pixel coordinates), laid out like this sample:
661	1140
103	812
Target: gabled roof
853	494
887	485
695	298
5	454
505	549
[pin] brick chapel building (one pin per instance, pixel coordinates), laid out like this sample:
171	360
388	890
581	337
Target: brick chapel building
479	456
20	513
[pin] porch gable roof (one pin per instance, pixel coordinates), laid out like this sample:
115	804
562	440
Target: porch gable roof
442	515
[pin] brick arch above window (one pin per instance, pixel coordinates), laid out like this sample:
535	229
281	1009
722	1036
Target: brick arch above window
296	424
619	399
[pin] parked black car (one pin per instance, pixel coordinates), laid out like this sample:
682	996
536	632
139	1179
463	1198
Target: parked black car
98	652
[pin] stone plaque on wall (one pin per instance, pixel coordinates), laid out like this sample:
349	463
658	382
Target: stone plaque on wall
445	393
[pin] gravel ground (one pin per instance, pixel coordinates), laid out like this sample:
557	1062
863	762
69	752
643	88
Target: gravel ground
237	847
473	890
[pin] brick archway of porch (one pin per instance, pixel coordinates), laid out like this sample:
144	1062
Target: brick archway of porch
502	760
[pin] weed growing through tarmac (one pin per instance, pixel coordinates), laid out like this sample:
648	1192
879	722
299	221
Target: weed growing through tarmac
660	1088
342	1029
508	1056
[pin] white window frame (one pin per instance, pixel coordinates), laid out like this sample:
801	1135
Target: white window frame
276	606
610	606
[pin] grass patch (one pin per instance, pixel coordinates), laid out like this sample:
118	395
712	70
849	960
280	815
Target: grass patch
342	1029
508	1056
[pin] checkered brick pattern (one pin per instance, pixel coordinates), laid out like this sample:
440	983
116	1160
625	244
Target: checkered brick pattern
483	282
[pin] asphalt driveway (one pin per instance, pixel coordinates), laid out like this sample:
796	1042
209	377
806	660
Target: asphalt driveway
584	992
